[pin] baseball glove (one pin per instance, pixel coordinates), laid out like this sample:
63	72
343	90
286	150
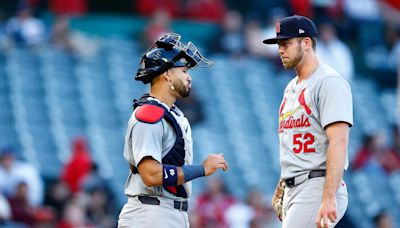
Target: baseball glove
277	199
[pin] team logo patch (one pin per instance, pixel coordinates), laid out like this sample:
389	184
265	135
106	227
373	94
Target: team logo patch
303	103
165	174
172	172
183	60
278	27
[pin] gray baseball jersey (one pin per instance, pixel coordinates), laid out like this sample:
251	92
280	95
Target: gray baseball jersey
155	140
306	109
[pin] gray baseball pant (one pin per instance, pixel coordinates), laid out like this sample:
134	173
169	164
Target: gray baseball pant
302	202
138	215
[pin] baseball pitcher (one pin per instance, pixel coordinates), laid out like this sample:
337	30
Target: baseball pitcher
314	120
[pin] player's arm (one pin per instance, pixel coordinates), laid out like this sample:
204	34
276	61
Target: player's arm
154	173
338	136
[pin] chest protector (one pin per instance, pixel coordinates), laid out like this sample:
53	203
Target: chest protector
176	155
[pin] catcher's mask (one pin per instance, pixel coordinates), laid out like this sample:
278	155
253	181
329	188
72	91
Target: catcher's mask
168	52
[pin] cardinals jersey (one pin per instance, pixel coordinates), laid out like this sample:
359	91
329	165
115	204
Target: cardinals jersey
306	110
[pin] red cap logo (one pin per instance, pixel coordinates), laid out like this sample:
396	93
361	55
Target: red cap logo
278	27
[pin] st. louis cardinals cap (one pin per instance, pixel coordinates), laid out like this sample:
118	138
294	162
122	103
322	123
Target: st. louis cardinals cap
293	26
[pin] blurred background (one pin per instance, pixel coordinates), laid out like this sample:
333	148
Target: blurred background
67	84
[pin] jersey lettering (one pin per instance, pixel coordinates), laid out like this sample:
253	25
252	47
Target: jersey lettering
293	122
296	141
309	140
298	144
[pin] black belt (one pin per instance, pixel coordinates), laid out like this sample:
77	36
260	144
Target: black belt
314	173
183	206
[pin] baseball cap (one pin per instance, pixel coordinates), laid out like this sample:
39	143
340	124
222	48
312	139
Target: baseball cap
293	26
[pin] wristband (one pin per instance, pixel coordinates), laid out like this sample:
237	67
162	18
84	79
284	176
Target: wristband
170	175
191	172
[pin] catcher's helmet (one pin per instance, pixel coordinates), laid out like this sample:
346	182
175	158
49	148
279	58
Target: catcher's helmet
168	52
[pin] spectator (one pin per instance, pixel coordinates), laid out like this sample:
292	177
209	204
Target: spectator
205	10
3	37
60	34
100	208
396	139
74	216
395	4
5	210
158	26
253	35
327	9
70	7
301	7
8	7
373	155
212	204
392	160
57	197
85	46
367	156
25	30
263	213
149	7
382	59
366	15
239	215
232	38
194	219
390	10
362	10
13	172
22	210
62	37
334	52
317	9
262	8
94	180
78	166
270	51
393	40
383	220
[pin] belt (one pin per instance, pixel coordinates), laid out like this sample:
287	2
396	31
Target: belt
150	200
291	182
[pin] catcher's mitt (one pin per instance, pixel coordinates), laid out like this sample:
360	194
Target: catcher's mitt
277	199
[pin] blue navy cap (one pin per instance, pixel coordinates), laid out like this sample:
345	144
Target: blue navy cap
293	26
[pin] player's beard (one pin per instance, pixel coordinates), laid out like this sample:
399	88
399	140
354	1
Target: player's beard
295	61
182	90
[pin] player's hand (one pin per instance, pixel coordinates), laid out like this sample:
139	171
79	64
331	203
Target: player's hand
327	212
214	162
